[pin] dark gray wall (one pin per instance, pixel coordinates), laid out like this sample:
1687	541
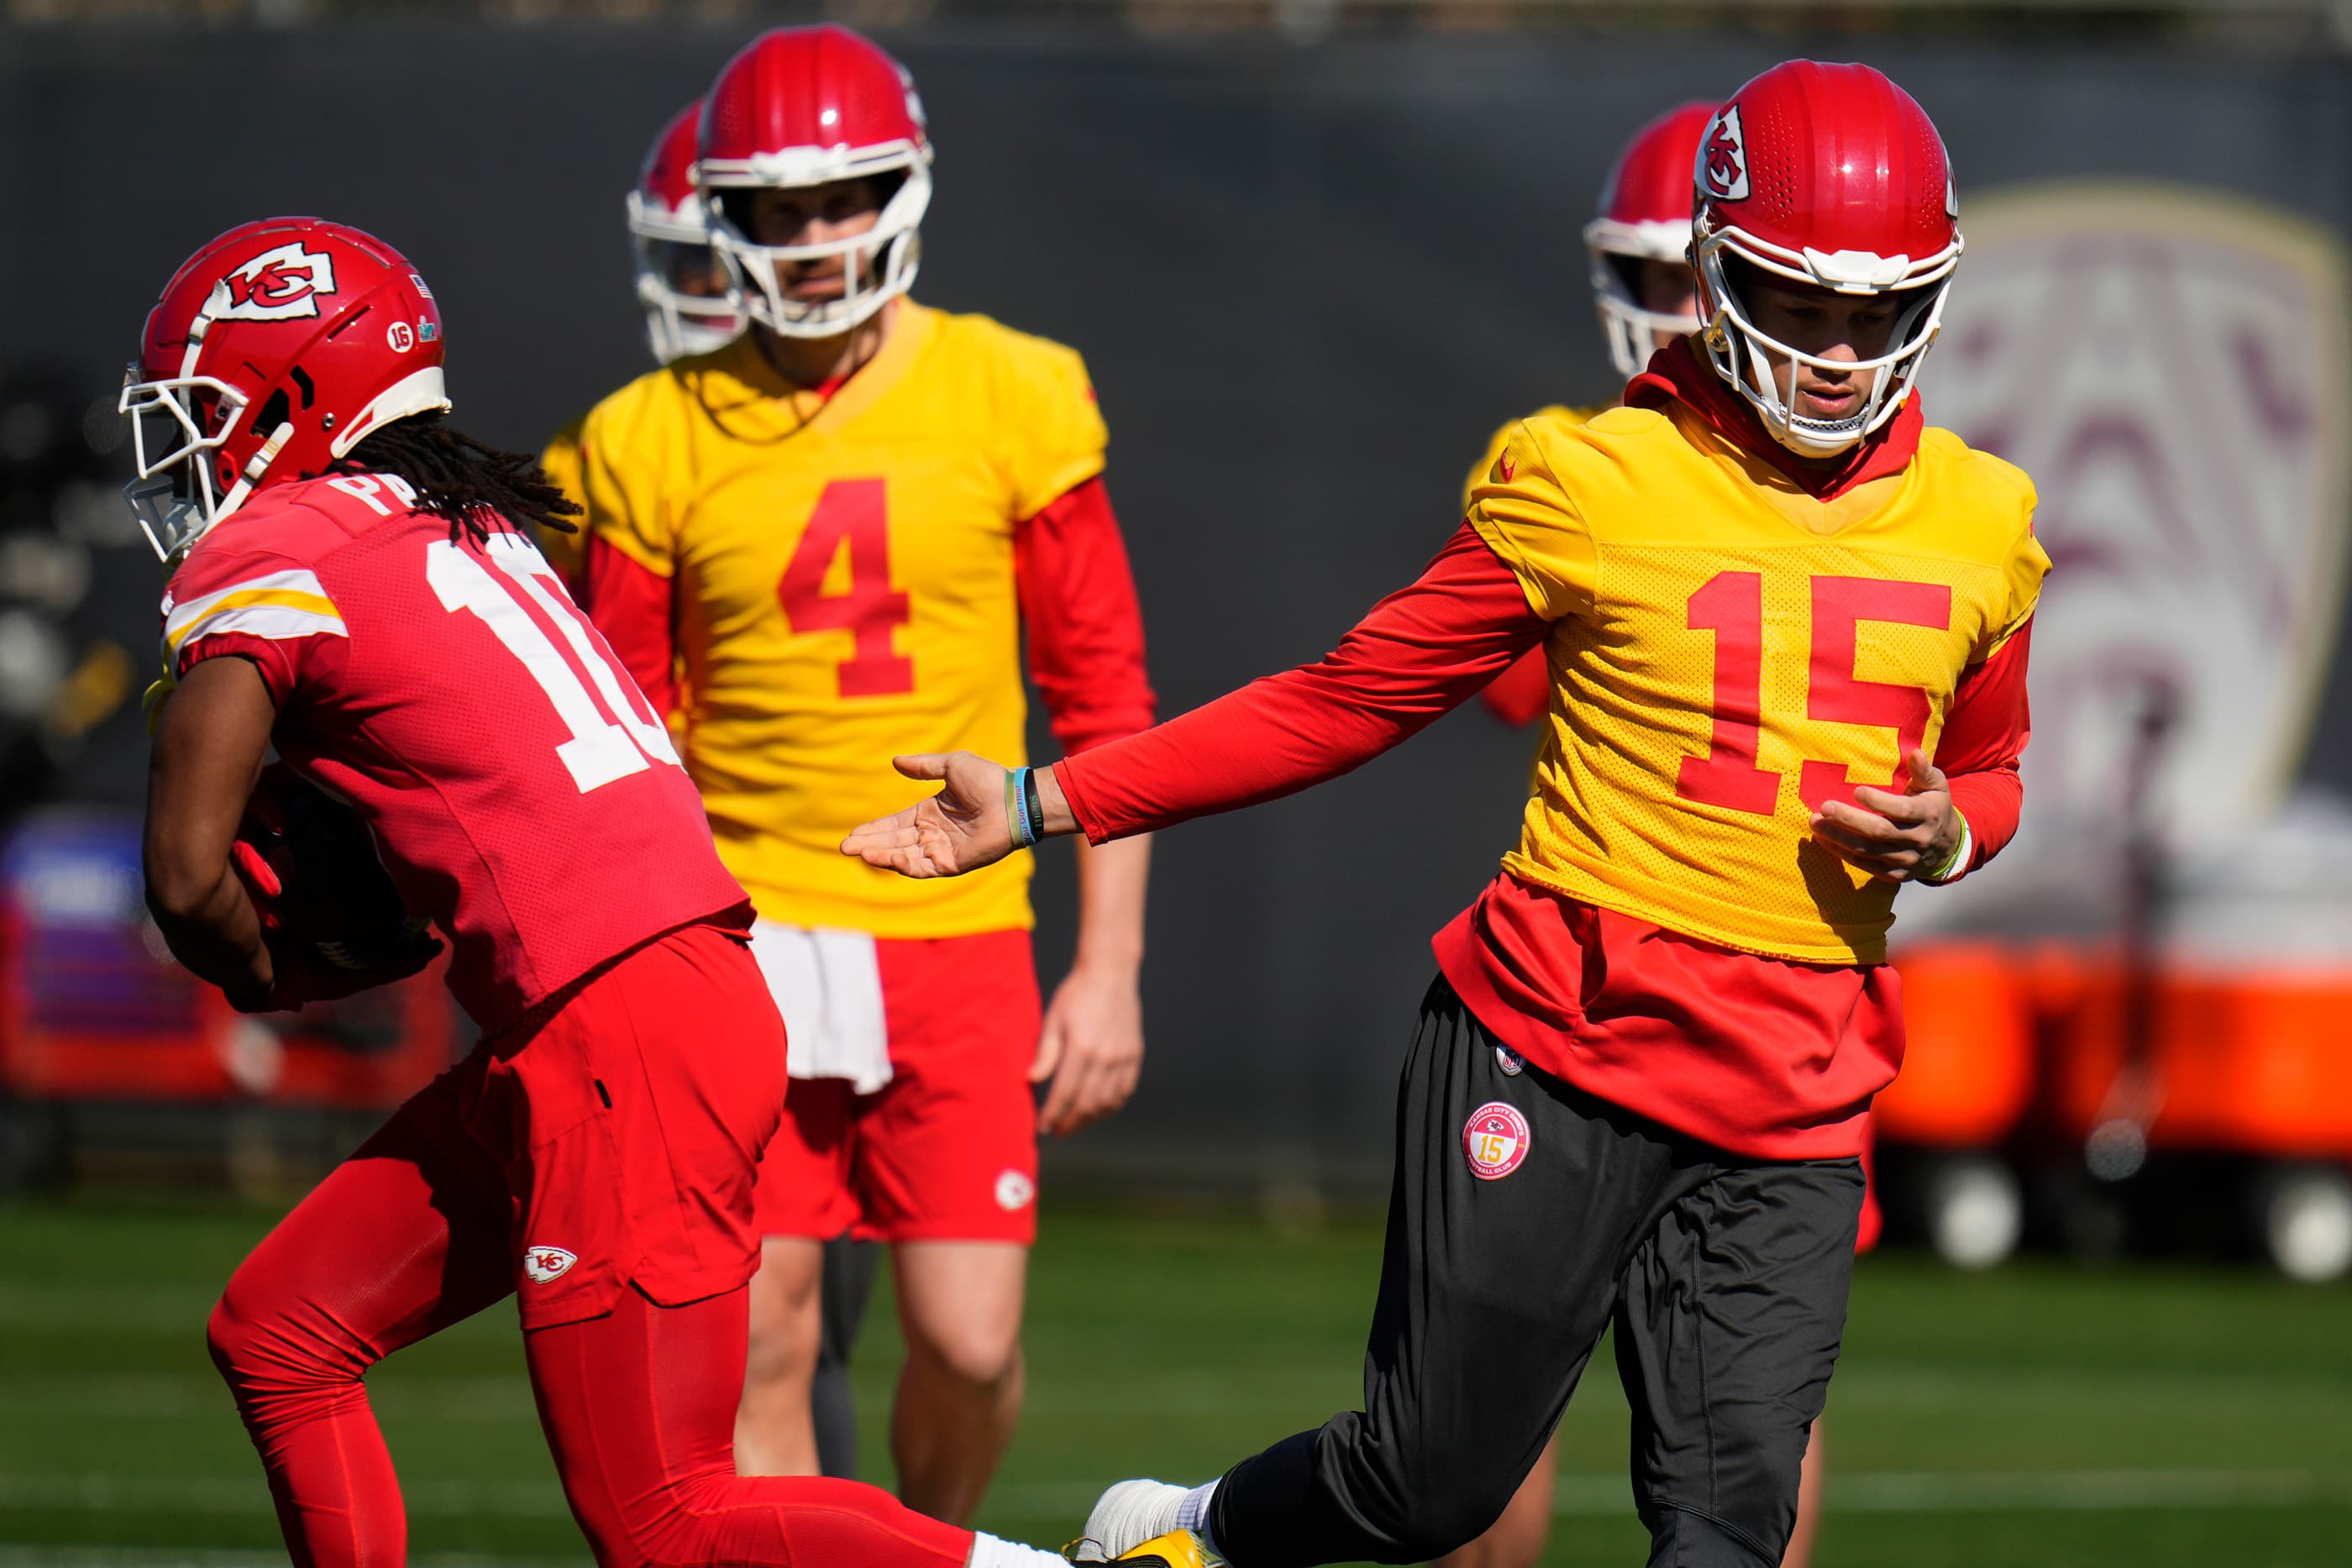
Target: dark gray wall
1309	283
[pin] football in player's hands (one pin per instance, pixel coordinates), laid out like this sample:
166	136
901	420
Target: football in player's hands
333	920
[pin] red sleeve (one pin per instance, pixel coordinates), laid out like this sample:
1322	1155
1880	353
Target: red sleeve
1422	651
631	607
1085	627
1519	695
1984	735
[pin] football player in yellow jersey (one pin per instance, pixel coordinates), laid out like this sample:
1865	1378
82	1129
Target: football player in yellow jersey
1646	298
821	544
681	290
1787	627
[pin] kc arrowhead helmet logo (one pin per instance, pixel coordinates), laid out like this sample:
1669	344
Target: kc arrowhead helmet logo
1723	158
279	284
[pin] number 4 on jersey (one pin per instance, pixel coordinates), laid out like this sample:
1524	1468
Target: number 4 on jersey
855	513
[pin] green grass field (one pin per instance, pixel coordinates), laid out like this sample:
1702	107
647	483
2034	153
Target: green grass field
2040	1415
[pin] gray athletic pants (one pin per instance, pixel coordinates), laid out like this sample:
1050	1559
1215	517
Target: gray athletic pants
1726	1278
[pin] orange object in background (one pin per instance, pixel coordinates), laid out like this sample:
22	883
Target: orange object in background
2244	1059
1968	1068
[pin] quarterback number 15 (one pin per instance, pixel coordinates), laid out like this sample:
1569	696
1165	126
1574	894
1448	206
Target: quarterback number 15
1731	605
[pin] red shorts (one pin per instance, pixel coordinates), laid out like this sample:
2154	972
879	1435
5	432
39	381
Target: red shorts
623	1132
947	1150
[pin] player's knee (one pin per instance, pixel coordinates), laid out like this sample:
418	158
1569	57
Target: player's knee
1433	1524
783	1347
973	1352
1430	1500
228	1335
263	1356
1690	1539
779	1351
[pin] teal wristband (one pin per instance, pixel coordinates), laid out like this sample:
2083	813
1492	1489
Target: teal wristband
1016	808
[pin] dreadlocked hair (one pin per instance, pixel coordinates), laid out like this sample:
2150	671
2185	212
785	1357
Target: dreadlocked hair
458	478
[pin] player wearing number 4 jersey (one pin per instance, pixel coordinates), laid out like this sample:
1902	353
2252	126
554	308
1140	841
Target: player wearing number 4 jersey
821	544
348	583
1785	625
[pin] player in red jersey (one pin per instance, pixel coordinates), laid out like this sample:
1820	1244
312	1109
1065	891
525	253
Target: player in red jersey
349	582
1646	296
1785	623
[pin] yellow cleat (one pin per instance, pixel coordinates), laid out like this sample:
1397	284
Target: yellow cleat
1177	1549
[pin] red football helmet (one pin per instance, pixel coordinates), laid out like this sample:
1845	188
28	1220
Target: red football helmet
806	106
272	352
1645	212
680	285
1828	176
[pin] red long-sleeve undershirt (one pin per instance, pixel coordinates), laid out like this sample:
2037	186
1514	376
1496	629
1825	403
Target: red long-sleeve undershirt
1765	1057
1420	652
1078	608
1521	693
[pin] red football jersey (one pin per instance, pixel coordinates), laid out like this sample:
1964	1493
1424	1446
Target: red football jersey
522	792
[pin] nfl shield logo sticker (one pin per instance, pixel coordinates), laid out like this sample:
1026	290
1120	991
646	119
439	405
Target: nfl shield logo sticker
1495	1139
547	1264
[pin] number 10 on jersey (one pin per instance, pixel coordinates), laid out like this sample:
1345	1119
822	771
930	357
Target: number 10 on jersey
601	749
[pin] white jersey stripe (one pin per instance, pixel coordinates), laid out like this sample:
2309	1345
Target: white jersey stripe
277	604
277	622
293	586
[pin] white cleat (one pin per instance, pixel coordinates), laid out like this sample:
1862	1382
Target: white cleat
1131	1514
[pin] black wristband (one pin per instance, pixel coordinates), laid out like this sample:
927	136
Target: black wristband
1029	796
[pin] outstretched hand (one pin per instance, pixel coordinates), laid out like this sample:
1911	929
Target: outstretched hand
962	828
1901	838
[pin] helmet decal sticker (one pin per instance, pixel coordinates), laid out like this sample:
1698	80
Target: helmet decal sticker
1723	158
277	286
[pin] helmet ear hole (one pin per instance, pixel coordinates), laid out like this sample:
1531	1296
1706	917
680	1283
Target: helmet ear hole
273	412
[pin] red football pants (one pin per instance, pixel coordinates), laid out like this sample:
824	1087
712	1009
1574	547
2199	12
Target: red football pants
638	1405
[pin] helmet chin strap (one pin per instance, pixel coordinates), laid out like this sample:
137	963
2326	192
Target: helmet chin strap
254	470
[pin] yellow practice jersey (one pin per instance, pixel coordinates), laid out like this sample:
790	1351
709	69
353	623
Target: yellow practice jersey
561	463
1727	651
1501	438
845	590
